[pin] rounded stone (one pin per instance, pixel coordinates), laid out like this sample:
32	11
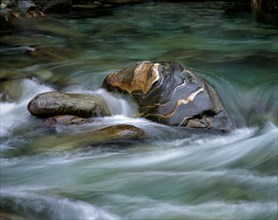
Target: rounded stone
172	94
58	103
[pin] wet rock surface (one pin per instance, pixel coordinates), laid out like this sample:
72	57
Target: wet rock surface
66	120
110	134
172	94
11	90
59	103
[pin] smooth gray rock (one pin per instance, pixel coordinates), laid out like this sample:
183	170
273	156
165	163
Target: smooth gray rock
59	103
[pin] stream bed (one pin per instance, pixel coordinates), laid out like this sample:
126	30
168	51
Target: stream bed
173	174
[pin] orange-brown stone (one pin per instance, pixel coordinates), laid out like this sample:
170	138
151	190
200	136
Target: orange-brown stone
138	78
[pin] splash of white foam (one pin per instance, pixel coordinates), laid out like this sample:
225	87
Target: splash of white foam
14	114
54	207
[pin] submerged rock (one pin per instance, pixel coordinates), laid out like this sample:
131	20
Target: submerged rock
172	94
111	134
11	90
53	54
9	215
58	103
66	120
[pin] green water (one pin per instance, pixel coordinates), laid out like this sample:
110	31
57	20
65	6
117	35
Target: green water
172	175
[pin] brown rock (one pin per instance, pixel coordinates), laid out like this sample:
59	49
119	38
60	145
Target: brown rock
116	133
66	120
57	103
11	90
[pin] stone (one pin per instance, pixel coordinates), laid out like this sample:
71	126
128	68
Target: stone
111	134
24	5
11	90
58	103
66	120
6	75
172	94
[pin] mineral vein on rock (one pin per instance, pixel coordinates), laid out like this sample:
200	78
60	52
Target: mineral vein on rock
184	102
172	94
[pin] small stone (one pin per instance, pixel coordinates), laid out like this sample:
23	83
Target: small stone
59	103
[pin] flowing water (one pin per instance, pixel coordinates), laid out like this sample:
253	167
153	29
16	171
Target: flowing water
171	175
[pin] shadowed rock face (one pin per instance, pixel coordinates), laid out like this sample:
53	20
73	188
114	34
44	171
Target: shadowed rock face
59	103
171	94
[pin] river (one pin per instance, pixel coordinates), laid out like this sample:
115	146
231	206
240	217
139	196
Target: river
171	175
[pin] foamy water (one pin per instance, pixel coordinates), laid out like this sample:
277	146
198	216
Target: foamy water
174	173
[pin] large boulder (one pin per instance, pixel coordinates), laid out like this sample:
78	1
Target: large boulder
58	103
172	94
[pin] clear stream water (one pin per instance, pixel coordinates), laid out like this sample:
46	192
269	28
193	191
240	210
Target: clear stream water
173	174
